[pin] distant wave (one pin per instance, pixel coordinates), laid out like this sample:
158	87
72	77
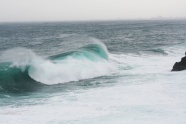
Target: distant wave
157	51
21	67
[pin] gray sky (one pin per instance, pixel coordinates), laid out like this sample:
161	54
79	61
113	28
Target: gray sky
64	10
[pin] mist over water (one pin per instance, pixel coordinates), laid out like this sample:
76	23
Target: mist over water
92	72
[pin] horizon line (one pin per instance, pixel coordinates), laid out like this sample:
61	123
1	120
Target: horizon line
100	20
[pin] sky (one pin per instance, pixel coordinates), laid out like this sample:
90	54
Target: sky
75	10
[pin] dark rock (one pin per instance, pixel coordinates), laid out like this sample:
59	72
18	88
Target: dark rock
179	66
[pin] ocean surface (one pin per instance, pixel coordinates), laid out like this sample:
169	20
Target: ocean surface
107	72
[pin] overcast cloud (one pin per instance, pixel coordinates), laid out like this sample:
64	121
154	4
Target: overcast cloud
64	10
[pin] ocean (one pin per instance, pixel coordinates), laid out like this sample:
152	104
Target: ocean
99	72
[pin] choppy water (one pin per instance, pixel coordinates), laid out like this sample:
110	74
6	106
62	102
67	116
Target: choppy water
92	72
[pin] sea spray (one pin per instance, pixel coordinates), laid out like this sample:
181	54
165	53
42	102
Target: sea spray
87	62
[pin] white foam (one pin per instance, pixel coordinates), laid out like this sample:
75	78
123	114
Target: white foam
69	70
19	57
144	64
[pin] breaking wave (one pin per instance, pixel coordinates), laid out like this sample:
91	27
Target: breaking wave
22	67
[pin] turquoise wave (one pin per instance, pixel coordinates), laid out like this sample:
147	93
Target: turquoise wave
17	78
91	52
